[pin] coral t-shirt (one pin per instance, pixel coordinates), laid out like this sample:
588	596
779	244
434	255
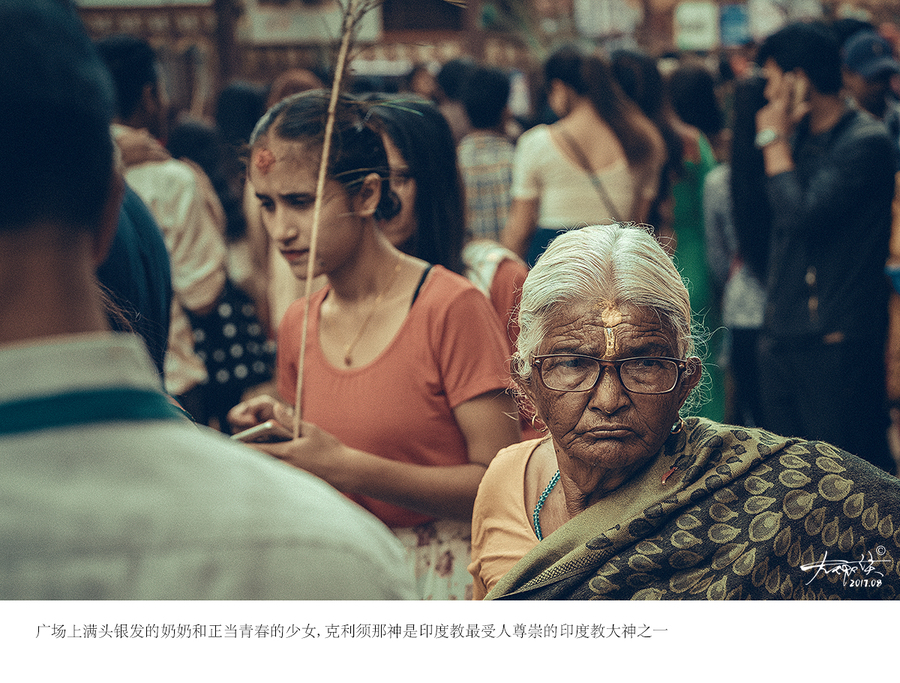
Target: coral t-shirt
449	349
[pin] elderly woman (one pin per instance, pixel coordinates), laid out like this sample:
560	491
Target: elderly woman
625	499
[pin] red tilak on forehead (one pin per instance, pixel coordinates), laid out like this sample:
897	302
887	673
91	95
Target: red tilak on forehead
263	159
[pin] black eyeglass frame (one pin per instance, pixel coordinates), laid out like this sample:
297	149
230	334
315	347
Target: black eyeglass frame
537	361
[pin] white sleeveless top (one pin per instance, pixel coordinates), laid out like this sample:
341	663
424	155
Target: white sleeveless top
567	196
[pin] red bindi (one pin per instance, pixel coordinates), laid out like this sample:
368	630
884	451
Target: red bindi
263	159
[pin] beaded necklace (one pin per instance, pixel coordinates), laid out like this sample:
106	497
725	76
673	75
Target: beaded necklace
536	516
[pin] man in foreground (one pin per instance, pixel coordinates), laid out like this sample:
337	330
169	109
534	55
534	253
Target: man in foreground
106	490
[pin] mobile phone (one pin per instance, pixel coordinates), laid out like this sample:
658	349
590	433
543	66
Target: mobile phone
269	431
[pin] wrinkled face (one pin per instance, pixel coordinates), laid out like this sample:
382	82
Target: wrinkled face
401	227
608	428
283	175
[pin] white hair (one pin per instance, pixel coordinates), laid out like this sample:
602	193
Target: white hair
621	264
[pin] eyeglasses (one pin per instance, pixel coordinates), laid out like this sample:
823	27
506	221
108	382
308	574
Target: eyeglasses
640	375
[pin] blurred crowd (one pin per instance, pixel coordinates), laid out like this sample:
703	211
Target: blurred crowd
625	136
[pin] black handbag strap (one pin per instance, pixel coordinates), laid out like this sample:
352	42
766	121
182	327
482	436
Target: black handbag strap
586	166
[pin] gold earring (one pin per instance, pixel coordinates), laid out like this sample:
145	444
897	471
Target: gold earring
678	427
541	429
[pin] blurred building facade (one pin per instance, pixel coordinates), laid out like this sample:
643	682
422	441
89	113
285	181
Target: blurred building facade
206	43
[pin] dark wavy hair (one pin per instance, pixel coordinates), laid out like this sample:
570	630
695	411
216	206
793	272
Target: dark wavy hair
591	76
356	146
423	137
809	45
752	213
692	92
639	76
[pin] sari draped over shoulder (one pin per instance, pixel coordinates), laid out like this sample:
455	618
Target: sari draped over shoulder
745	515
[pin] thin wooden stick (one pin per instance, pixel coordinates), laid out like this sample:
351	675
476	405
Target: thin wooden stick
349	23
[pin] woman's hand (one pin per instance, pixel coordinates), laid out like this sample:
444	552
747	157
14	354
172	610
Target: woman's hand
442	491
317	452
257	410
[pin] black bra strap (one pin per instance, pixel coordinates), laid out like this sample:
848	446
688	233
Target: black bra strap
421	282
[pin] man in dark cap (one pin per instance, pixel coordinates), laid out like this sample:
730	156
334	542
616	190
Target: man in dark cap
868	68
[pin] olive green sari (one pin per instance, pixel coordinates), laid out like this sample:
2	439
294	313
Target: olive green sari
744	514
